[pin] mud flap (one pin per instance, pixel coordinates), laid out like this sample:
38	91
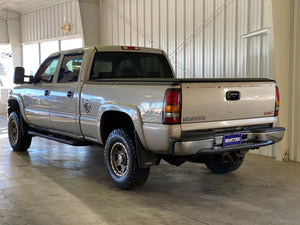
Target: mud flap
145	158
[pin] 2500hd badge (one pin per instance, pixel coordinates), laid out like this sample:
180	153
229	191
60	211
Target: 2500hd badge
193	118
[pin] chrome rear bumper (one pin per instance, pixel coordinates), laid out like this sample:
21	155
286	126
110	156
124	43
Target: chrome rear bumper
210	143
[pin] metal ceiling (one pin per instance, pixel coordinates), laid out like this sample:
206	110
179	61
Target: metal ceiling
27	5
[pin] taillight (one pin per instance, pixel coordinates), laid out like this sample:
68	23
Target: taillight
276	111
172	106
130	48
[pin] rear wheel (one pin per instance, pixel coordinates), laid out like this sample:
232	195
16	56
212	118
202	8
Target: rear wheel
227	163
121	160
18	140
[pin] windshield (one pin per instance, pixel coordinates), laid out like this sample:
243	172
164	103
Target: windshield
119	65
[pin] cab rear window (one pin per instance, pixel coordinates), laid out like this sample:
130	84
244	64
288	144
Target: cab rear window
120	65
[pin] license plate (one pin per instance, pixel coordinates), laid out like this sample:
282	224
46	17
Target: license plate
232	139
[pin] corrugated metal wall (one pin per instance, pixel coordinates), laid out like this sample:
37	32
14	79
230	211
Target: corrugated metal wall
203	38
46	23
3	32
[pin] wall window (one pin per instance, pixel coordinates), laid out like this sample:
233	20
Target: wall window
35	54
6	66
31	58
70	44
47	48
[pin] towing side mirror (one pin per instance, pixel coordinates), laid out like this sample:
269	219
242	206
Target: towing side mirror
19	76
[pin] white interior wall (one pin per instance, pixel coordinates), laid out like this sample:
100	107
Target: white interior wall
279	20
203	38
89	11
10	34
193	33
45	23
14	33
3	33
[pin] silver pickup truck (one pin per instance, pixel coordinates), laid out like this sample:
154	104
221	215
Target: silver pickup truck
127	99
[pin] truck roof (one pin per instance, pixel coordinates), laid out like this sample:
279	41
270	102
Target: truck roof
128	48
101	48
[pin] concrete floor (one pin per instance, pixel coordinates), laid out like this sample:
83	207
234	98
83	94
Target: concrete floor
54	183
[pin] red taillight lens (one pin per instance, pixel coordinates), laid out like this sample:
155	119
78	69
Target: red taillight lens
276	111
130	48
172	106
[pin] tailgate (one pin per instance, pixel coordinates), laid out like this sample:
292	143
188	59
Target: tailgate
222	101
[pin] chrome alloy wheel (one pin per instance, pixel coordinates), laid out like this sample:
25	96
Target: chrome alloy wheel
119	159
13	131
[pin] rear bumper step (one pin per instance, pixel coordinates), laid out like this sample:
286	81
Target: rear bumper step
213	143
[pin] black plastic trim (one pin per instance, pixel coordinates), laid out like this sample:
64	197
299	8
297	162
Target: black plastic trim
178	81
145	158
59	138
216	80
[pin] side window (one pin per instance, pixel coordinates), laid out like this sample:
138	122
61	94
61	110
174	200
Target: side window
70	68
47	70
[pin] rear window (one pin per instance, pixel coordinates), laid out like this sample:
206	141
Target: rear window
120	65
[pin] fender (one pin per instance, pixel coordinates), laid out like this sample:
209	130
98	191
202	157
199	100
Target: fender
19	99
132	111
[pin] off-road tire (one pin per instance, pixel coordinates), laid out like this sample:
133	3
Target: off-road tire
18	141
121	141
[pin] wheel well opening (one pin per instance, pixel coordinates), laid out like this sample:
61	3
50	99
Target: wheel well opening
112	120
13	106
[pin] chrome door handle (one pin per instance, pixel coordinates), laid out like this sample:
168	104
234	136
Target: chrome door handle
87	107
47	93
70	94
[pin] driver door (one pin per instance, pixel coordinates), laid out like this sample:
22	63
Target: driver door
37	95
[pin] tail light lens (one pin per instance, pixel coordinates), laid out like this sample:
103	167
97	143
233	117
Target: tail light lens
130	48
276	111
172	106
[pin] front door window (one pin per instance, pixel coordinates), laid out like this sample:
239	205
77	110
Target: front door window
47	70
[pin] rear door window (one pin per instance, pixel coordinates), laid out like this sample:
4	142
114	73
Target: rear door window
70	68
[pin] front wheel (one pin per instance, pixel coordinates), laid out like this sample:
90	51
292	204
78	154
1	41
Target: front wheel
18	141
227	163
121	160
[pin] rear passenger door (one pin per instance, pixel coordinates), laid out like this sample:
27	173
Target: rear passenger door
64	98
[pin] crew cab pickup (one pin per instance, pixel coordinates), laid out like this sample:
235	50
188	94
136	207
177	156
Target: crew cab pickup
128	99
